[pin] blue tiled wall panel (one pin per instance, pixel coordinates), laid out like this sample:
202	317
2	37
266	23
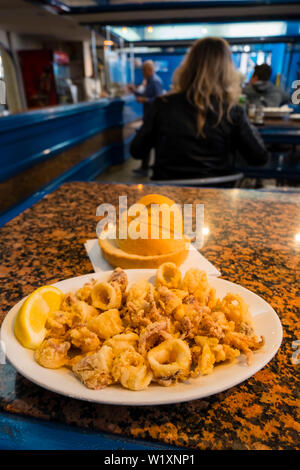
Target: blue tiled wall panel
281	62
28	138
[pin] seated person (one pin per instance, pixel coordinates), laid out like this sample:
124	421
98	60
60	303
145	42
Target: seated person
261	91
197	128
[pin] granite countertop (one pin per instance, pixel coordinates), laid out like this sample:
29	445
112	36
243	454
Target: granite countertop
252	240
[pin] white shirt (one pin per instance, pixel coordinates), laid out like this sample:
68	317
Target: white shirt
2	92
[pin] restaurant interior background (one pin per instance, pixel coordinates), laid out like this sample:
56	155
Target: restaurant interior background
73	60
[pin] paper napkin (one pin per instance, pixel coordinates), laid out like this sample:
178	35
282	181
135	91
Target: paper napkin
194	259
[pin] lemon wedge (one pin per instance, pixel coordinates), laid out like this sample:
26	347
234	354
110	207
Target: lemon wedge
31	319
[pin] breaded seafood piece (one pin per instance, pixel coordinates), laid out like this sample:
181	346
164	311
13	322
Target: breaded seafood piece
244	343
189	316
206	361
75	357
167	300
180	293
208	352
138	295
107	324
94	370
131	370
168	275
195	281
84	293
122	342
119	279
84	339
223	352
82	312
215	324
68	301
106	296
57	323
235	309
79	311
52	353
141	308
170	360
152	335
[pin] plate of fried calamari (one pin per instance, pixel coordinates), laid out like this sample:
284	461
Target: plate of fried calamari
147	337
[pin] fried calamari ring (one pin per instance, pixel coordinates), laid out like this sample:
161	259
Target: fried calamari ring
170	359
153	333
131	370
106	296
168	275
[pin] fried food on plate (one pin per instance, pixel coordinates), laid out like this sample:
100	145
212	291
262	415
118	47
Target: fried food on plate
163	333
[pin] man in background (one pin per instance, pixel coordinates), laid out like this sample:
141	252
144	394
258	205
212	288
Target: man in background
152	87
261	91
2	95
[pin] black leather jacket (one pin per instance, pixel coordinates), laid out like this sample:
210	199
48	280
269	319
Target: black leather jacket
171	128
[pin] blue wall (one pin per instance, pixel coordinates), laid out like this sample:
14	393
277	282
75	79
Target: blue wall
285	60
291	65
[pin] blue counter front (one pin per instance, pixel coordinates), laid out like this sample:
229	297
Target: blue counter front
35	146
35	135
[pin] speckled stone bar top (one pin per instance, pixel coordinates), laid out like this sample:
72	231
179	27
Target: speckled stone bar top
252	240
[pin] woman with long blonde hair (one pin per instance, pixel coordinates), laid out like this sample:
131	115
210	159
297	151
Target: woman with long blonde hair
198	127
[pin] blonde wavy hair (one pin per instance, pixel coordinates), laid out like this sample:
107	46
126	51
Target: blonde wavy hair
206	76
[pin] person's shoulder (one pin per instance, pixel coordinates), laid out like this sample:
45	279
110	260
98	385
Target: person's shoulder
157	78
173	98
166	102
249	90
270	84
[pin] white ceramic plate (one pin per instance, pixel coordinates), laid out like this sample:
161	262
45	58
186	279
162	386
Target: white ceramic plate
64	382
